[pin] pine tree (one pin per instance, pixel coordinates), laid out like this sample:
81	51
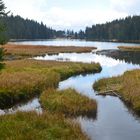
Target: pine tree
2	28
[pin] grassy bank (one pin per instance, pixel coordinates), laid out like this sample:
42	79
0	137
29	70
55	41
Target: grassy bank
127	86
30	126
23	79
21	51
68	102
129	48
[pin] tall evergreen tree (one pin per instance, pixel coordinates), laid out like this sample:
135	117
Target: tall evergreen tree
127	29
2	28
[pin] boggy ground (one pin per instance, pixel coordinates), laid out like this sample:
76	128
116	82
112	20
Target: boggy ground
129	48
68	102
127	85
47	126
23	79
13	51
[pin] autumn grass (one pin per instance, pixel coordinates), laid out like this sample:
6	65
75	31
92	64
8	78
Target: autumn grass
23	79
20	51
68	102
127	85
129	48
30	126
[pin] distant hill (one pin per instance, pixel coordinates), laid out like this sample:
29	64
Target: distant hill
127	29
20	28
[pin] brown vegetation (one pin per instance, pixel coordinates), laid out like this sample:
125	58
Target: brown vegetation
30	126
129	48
127	85
34	50
68	102
22	79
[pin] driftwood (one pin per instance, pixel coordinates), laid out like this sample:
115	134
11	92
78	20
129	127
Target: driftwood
110	93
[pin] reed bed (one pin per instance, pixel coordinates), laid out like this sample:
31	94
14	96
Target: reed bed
127	86
30	126
68	102
129	48
35	50
23	79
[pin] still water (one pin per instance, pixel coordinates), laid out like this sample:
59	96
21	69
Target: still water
114	121
81	43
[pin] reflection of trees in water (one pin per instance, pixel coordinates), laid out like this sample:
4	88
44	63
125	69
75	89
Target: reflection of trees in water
127	56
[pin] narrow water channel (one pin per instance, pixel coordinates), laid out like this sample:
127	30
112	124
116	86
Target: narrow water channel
114	121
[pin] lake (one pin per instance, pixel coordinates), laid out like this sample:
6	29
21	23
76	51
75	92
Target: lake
81	43
114	120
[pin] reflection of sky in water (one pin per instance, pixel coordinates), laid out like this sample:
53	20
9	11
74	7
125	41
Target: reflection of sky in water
32	105
82	43
114	122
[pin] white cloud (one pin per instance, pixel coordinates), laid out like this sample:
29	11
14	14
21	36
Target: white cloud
61	17
128	6
65	18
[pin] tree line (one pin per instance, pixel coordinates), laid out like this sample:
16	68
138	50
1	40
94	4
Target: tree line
20	28
127	29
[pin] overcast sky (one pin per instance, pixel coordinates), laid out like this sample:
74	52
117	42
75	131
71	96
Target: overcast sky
73	14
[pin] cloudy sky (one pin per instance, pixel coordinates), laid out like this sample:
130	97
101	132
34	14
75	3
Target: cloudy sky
73	14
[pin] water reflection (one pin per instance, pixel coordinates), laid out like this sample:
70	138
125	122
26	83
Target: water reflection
127	56
32	105
81	43
113	120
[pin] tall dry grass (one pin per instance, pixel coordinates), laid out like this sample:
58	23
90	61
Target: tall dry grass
23	79
68	102
34	50
127	85
129	48
30	126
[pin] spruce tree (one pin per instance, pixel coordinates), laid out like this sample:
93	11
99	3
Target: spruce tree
2	28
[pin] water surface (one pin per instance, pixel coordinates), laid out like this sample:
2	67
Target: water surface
114	120
75	42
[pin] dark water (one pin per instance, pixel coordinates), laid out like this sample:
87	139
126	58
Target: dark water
114	120
127	56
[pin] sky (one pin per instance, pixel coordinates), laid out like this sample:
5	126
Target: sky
73	14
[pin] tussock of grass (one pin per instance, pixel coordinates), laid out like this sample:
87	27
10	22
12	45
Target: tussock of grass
127	85
30	126
130	48
34	50
68	102
23	79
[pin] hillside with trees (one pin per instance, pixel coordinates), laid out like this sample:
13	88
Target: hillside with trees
20	28
127	29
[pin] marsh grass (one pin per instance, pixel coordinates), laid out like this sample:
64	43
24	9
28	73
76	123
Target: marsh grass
34	50
127	85
129	48
68	102
30	126
23	79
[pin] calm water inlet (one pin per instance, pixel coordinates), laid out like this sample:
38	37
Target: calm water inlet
114	120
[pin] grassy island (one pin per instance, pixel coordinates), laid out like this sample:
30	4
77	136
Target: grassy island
129	48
